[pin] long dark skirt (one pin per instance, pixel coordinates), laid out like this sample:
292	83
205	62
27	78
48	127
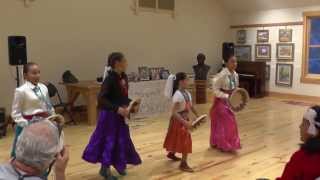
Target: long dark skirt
111	144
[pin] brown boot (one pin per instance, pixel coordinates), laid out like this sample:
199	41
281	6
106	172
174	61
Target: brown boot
185	167
173	157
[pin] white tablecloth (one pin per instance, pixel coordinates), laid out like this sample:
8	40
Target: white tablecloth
153	100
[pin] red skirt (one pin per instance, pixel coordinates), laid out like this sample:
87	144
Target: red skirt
178	138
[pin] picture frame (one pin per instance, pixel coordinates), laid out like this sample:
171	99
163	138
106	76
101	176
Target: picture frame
164	74
263	52
144	73
243	52
285	35
241	36
155	73
285	51
268	70
133	77
284	74
263	36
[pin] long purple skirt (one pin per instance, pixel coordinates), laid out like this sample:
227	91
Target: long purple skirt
224	129
110	143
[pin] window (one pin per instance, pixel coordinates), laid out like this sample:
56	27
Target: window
311	52
152	4
156	5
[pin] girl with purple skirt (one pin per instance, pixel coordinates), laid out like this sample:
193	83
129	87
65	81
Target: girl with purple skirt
224	129
110	143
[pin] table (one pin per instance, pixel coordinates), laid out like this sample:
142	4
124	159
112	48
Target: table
151	93
89	90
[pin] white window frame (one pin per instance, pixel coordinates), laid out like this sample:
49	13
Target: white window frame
139	9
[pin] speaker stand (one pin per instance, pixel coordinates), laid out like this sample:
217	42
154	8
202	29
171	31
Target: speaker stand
18	76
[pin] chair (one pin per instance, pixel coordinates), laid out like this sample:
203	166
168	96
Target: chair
54	93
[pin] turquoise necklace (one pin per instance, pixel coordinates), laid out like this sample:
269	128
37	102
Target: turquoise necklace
232	81
37	91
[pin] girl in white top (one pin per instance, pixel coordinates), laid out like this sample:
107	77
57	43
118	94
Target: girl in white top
31	101
224	130
178	139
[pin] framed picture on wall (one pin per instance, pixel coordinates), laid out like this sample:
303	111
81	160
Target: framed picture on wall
241	36
263	51
243	52
285	35
263	36
285	51
144	73
268	72
284	74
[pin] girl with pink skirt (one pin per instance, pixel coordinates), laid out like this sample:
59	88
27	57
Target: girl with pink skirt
224	130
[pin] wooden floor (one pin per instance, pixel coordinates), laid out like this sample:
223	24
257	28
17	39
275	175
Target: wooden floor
269	135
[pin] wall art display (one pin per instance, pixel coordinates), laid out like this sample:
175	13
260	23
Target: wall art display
243	52
263	36
284	74
241	36
263	51
285	35
285	51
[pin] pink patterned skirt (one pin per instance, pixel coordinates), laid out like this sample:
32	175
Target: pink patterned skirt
224	130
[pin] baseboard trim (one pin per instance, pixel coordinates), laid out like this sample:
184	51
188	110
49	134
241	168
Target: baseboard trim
293	96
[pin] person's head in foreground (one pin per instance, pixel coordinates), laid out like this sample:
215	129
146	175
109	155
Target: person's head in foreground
38	147
305	163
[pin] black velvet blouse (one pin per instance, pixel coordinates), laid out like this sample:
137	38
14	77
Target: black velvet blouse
114	92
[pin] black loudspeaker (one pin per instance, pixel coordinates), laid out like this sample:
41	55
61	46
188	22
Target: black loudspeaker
227	50
17	50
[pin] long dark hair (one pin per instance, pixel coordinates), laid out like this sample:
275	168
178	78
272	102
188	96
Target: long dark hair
228	57
312	145
180	76
115	57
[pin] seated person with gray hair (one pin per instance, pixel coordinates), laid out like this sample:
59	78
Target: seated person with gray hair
38	148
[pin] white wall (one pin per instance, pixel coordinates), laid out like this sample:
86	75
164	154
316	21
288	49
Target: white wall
78	34
278	16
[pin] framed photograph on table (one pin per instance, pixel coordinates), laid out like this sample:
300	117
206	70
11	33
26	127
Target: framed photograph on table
243	52
285	51
155	73
285	35
241	36
164	74
263	36
263	52
284	74
144	73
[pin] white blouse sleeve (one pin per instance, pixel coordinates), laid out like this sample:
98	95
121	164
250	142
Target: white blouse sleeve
217	85
17	104
177	98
